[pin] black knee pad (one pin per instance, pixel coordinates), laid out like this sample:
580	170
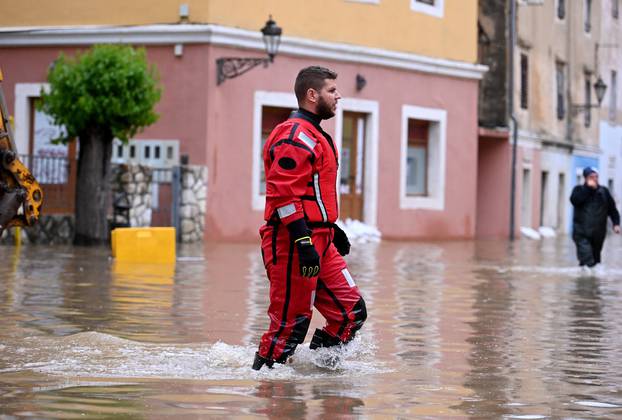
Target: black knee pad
360	313
296	337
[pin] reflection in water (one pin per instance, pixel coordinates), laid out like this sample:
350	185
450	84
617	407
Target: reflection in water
490	355
283	399
455	329
138	289
585	333
419	279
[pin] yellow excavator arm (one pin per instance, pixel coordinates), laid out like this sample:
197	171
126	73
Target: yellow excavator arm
18	188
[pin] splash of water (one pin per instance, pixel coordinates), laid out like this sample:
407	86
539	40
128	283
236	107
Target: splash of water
93	354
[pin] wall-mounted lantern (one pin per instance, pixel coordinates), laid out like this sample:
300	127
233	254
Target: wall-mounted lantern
361	82
600	88
230	67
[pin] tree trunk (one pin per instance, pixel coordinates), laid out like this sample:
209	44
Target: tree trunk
93	187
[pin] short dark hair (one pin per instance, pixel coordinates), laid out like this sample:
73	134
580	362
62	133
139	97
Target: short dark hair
311	77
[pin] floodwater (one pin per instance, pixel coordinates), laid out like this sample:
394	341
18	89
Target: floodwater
455	329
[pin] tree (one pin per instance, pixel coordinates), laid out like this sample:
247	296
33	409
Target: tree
104	93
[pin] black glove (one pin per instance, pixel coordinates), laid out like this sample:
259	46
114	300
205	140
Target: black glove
340	240
308	258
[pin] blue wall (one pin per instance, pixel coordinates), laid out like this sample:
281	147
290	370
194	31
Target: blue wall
580	162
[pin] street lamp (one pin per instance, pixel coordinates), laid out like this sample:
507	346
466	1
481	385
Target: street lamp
600	88
230	67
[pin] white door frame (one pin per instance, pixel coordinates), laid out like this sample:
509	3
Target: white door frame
372	139
23	93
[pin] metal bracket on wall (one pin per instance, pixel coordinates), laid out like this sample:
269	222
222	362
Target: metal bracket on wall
231	67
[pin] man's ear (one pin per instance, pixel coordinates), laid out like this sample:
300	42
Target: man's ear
312	95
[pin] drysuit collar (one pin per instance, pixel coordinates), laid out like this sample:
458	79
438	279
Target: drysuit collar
309	116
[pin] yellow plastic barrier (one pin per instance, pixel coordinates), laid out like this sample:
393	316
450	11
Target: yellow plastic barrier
113	243
154	245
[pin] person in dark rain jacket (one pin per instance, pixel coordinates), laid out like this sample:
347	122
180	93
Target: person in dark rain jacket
592	204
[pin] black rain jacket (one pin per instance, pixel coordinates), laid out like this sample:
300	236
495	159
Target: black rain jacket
591	208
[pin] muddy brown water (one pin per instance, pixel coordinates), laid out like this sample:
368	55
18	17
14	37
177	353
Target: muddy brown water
468	329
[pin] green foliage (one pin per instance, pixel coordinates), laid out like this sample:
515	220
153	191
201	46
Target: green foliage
109	87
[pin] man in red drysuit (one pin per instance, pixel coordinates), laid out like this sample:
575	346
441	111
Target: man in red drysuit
301	245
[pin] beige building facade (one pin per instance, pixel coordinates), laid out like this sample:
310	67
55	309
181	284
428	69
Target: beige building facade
562	50
610	117
556	67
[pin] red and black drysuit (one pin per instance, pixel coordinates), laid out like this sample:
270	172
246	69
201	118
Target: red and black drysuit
300	161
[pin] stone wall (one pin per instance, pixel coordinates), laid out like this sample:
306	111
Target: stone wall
133	182
193	202
51	229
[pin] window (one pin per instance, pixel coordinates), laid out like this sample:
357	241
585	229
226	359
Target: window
524	81
423	152
526	209
587	14
417	158
588	101
615	8
271	116
561	9
544	198
48	161
430	7
613	96
561	198
560	77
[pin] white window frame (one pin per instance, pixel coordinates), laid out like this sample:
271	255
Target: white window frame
264	98
372	139
437	146
23	93
438	10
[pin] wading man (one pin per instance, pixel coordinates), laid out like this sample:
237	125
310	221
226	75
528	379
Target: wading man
592	204
302	248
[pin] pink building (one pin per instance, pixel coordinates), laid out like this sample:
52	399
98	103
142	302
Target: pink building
408	138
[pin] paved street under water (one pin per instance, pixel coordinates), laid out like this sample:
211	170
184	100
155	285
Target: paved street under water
456	329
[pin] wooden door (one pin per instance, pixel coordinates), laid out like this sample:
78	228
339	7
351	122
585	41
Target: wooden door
54	166
352	165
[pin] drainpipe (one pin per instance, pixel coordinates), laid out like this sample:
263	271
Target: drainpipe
510	89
